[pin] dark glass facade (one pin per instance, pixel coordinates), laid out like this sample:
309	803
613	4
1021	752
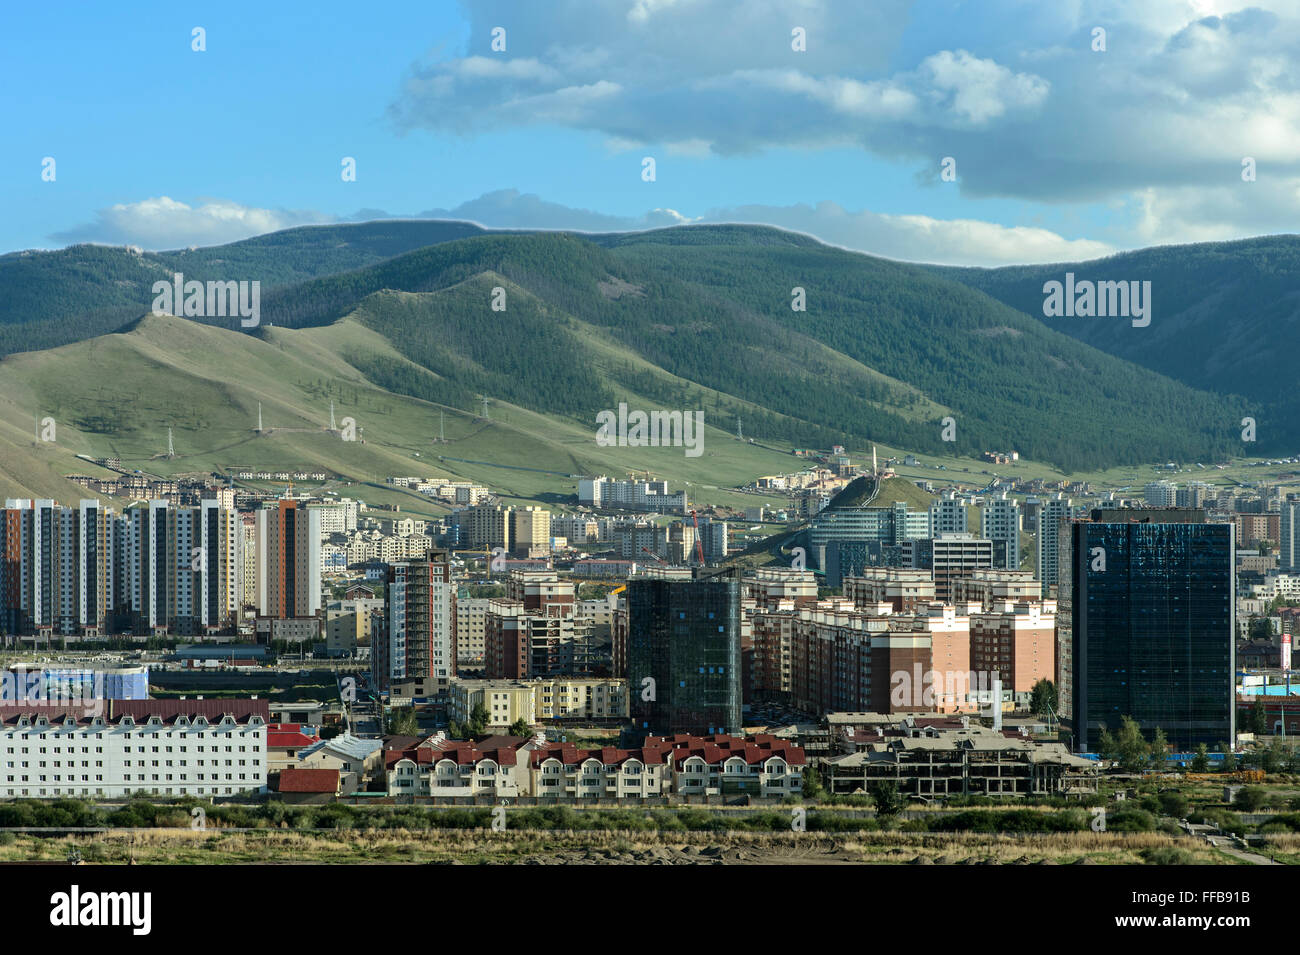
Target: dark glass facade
685	636
1150	609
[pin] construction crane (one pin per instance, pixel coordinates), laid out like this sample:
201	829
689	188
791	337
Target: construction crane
653	554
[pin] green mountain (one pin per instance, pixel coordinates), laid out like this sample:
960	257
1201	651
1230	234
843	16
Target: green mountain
884	351
1225	318
402	322
53	298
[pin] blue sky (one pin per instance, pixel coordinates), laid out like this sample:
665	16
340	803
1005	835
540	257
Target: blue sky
1062	151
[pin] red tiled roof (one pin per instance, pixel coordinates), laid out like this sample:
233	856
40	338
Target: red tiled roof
504	750
288	736
141	710
718	748
295	780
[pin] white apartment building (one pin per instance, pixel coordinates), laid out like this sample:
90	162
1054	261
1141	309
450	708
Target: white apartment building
1054	510
637	495
1000	521
1160	493
948	515
52	755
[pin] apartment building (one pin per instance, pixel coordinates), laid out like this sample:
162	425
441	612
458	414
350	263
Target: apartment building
1288	536
631	495
288	561
576	529
534	631
948	515
540	700
769	587
530	531
419	637
471	632
948	557
205	748
510	767
1048	568
1000	521
84	572
903	589
506	701
484	526
1015	645
990	588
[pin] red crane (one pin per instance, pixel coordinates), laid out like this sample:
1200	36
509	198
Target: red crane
699	546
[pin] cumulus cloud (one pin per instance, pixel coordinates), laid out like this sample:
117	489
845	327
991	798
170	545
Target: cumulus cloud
917	238
1014	91
164	223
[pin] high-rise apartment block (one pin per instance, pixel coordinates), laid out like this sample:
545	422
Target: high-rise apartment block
683	655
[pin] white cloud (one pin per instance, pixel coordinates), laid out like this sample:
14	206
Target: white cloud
916	238
164	223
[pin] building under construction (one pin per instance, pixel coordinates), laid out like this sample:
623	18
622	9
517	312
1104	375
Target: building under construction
934	759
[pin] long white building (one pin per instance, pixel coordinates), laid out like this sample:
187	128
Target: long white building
160	747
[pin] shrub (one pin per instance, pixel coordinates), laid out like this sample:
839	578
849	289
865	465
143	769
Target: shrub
1168	855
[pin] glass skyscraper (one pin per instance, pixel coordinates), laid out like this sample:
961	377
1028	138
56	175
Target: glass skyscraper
1147	619
684	635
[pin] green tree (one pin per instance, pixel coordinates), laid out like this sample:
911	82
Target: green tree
884	794
1159	750
1201	761
520	727
402	721
1174	804
1229	764
1043	697
478	720
812	782
1127	747
1258	719
1273	758
1249	798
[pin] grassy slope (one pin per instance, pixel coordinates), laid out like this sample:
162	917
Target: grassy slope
206	384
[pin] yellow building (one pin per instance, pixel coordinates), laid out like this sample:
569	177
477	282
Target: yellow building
541	700
530	531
